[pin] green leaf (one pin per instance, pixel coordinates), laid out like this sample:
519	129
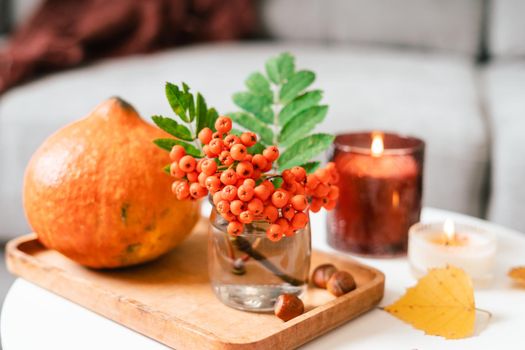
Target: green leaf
212	117
251	123
167	144
258	148
258	105
277	182
177	101
280	68
304	150
201	111
310	167
258	85
167	169
190	102
172	127
295	85
302	124
299	104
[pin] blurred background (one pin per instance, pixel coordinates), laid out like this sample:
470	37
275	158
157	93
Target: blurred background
449	71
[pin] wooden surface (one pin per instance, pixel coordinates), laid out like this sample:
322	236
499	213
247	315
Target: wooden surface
171	300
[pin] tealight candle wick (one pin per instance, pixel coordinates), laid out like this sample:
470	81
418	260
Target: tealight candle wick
450	231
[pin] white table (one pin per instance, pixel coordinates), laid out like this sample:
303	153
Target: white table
33	318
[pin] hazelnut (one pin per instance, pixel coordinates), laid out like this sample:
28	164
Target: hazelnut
340	283
322	274
288	306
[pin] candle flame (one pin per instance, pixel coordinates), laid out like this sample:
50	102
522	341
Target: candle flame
450	229
377	144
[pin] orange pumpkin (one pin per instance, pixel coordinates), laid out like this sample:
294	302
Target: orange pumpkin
96	192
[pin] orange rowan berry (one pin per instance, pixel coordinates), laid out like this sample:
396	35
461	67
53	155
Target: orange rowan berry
270	213
248	138
262	192
215	146
182	190
299	202
280	198
223	206
175	171
238	152
231	140
197	191
229	193
330	204
256	206
198	165
259	162
174	185
322	190
246	217
229	177
312	181
212	183
290	232
248	157
299	188
223	124
245	193
299	173
216	135
274	233
322	175
290	186
187	164
202	179
237	206
288	212
271	153
249	182
205	136
269	185
333	194
288	176
229	216
207	151
217	197
209	167
285	225
256	174
244	169
193	176
225	158
177	152
316	205
299	221
235	228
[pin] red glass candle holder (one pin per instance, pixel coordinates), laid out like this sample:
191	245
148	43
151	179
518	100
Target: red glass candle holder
380	192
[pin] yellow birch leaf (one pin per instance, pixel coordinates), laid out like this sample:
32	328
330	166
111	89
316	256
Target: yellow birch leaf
518	274
442	303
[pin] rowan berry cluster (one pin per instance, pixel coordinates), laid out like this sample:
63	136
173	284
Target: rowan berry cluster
241	184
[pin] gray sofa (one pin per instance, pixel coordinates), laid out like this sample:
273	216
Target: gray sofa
408	66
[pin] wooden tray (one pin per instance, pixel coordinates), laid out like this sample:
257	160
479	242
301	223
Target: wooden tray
171	301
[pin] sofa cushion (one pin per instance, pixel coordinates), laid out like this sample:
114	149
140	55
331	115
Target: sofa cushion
430	96
505	92
450	25
507	28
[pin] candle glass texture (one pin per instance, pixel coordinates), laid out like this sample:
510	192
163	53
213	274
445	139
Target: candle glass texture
468	247
381	180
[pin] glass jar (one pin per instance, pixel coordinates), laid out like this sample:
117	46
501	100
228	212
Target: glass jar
380	193
249	272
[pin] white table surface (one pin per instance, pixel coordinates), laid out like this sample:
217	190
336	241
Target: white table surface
33	318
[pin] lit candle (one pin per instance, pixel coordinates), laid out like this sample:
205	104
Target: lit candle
463	246
380	192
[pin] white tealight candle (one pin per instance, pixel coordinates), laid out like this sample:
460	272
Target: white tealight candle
463	246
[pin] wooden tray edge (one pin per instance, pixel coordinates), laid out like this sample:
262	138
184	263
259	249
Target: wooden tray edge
187	335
